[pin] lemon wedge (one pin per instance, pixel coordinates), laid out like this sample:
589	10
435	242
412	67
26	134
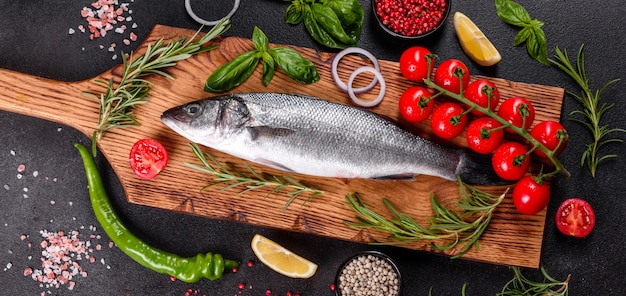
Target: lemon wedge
280	259
474	43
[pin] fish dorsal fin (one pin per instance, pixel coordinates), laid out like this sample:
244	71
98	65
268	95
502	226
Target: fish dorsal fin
257	132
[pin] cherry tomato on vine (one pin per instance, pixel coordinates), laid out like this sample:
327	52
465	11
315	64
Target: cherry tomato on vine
575	217
510	161
549	133
530	196
484	135
514	110
446	78
416	104
484	93
147	158
414	65
447	121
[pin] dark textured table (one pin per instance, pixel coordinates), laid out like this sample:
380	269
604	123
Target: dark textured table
42	184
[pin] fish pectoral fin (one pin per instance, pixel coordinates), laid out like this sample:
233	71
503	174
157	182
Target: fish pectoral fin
257	132
273	165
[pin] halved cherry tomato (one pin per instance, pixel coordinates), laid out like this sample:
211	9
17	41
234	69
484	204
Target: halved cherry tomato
510	161
484	93
514	110
575	217
549	134
445	75
414	65
484	135
415	104
147	158
447	121
530	196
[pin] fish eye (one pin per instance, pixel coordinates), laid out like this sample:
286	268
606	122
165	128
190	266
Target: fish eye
193	109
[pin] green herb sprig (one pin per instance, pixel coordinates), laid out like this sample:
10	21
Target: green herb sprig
117	102
332	23
592	111
455	229
239	69
522	286
531	33
228	176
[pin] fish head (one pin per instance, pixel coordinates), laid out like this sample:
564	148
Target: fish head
207	121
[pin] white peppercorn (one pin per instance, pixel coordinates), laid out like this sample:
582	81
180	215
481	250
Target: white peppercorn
368	274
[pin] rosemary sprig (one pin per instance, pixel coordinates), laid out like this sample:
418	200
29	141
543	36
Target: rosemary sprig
117	102
592	109
463	229
522	286
229	177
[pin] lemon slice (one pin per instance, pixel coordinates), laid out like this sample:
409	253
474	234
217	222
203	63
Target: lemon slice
280	259
474	43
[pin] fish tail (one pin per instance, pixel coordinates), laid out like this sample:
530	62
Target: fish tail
476	169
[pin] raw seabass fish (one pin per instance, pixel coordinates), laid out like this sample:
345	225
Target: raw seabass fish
312	136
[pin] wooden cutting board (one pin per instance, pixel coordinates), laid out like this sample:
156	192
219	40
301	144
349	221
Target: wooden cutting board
511	239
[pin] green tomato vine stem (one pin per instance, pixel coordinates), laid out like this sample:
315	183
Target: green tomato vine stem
558	166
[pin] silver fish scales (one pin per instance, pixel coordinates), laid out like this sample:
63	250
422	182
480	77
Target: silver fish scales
312	136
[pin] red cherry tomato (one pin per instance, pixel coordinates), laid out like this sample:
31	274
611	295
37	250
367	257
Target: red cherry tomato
530	197
484	135
447	121
415	104
549	134
484	93
575	217
514	110
510	161
147	158
414	65
446	78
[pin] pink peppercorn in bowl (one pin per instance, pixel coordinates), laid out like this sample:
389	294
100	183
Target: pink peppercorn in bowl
411	19
368	273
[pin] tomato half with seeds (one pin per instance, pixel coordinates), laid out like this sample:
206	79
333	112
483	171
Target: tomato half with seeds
414	64
448	120
483	93
446	75
550	133
530	195
575	217
416	104
147	158
510	161
484	135
514	110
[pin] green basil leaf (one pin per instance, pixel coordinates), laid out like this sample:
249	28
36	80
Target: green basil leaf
232	73
522	35
538	49
351	15
318	33
294	65
329	22
295	13
259	39
268	68
512	13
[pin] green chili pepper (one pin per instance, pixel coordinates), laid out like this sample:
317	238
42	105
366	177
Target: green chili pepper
209	265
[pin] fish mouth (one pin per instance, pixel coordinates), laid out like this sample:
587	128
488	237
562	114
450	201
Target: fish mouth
175	120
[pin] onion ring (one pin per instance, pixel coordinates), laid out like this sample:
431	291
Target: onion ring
380	79
356	50
205	22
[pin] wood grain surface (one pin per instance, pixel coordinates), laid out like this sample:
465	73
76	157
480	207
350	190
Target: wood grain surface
511	238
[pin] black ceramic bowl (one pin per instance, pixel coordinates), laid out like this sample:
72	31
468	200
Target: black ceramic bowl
399	35
371	256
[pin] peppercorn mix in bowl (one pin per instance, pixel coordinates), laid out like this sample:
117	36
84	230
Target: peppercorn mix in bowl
368	273
411	19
